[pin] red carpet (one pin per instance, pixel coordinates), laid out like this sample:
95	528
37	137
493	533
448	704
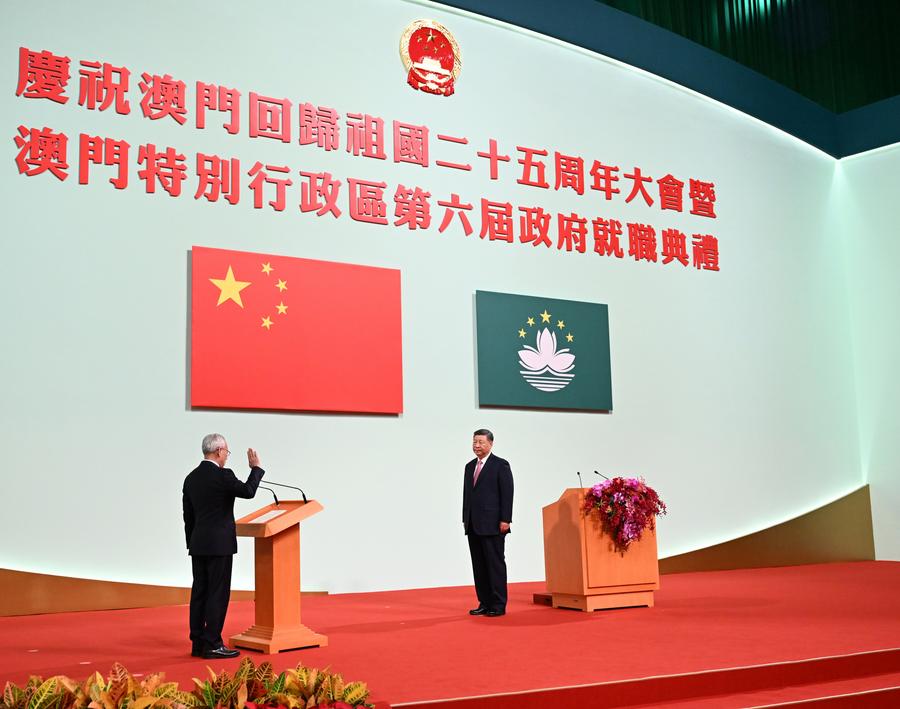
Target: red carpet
414	646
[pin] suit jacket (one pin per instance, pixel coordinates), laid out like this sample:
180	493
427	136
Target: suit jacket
489	502
208	501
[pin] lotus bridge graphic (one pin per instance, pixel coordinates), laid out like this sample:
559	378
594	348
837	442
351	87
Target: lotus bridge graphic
545	367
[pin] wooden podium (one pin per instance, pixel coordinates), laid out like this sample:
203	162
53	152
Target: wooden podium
584	570
277	532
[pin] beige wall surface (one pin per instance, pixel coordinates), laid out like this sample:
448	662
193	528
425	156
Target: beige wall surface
869	214
733	392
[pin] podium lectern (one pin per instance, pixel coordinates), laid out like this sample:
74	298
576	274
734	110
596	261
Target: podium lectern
584	570
276	529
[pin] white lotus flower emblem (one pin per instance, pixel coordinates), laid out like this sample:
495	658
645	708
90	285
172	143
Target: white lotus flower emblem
545	367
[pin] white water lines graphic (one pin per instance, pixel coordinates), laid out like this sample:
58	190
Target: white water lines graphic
545	367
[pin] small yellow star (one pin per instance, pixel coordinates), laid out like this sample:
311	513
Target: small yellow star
545	316
281	285
530	321
561	324
281	308
266	323
267	268
521	333
570	337
229	288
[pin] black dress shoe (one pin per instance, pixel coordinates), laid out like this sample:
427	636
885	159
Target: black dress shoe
197	651
481	610
220	653
494	613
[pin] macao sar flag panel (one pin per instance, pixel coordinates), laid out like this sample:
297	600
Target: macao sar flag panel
278	332
538	352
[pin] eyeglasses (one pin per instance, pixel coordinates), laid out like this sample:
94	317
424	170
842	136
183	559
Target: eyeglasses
227	452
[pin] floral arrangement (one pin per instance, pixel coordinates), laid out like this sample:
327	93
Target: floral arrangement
627	507
250	686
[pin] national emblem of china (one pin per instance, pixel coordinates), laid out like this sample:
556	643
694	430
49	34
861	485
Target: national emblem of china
431	57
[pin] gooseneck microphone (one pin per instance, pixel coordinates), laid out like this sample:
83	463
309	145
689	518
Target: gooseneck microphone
601	475
272	491
293	487
580	482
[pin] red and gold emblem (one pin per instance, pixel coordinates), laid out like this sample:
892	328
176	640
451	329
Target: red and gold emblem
430	56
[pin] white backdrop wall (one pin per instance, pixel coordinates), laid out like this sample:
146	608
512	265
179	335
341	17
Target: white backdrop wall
733	391
869	209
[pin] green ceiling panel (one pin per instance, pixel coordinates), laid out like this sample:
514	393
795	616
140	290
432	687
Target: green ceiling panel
842	54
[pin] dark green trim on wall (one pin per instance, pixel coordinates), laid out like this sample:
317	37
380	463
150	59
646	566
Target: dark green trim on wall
841	54
597	27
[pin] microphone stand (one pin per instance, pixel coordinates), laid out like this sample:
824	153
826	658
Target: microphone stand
272	491
293	487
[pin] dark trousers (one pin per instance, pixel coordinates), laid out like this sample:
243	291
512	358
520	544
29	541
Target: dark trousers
209	600
489	569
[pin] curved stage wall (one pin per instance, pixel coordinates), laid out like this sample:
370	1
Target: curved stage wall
774	373
838	531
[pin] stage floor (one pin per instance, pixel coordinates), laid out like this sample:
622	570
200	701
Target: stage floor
421	645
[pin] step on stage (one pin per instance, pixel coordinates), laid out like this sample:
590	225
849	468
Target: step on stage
715	639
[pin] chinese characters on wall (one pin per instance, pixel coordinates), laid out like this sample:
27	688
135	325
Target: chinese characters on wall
217	178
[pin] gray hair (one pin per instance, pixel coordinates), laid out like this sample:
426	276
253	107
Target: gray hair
212	442
484	432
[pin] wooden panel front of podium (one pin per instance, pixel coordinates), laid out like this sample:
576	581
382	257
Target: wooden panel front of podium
277	541
584	570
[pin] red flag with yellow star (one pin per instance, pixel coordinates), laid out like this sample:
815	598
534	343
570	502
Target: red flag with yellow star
277	332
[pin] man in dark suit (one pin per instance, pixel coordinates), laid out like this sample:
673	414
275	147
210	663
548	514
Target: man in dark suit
487	514
208	501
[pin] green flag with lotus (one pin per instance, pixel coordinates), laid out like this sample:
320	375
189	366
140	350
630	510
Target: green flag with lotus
536	352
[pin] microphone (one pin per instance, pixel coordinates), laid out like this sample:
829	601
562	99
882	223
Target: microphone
578	473
293	487
601	475
272	491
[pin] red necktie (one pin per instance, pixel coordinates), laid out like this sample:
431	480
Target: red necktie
477	473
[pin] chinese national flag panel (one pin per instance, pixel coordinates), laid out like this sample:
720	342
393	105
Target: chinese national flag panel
542	352
276	332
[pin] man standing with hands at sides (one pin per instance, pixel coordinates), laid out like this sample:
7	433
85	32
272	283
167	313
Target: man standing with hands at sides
487	514
208	501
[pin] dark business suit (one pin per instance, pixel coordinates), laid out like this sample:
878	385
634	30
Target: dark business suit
485	505
208	501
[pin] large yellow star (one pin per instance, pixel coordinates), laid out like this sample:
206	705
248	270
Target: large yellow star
267	268
281	285
229	288
570	337
545	316
266	323
281	308
561	324
521	333
530	321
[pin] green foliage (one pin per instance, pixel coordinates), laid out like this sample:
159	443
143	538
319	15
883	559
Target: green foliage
297	688
355	693
46	696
